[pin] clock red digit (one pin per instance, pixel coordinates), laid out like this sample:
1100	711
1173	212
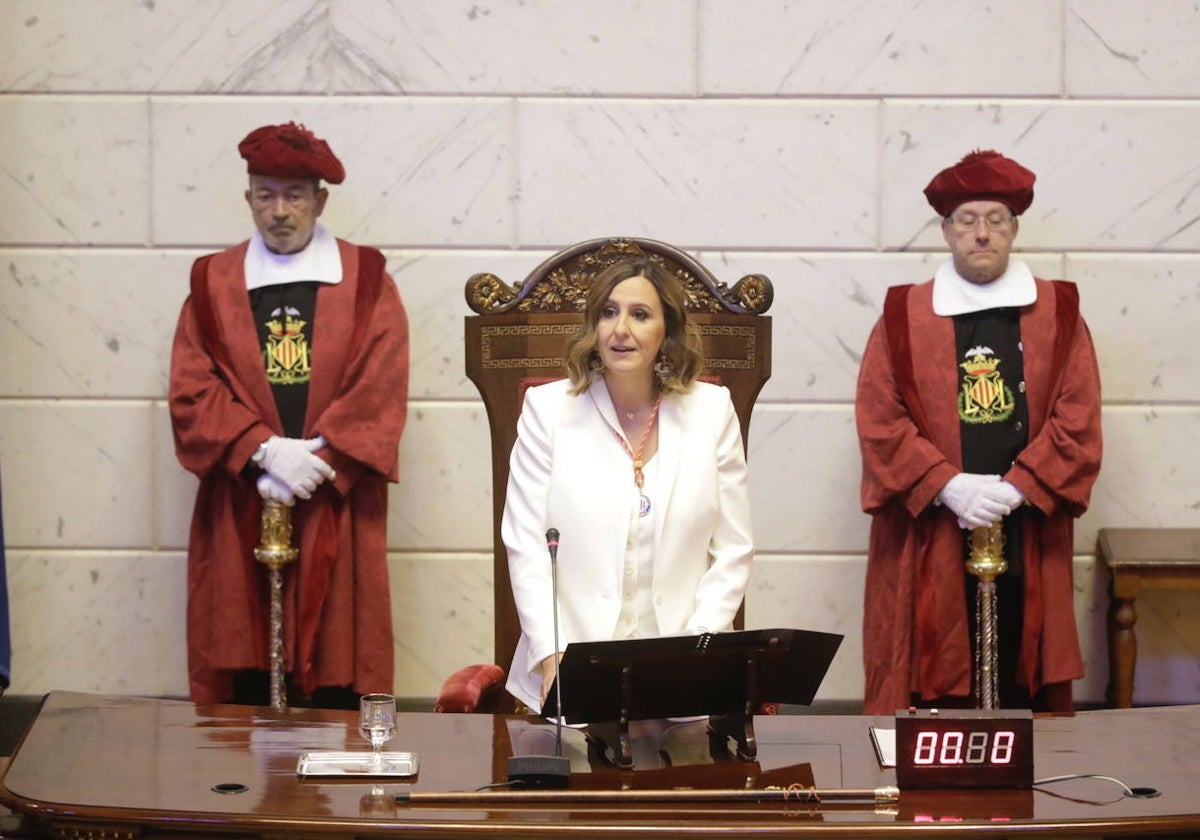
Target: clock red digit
964	748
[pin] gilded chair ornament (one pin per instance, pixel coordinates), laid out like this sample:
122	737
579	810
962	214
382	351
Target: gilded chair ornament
563	286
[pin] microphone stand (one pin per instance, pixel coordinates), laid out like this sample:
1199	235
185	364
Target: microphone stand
547	771
552	547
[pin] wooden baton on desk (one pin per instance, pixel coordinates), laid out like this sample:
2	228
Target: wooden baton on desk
794	793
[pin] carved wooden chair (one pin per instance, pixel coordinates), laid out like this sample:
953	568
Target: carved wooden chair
518	340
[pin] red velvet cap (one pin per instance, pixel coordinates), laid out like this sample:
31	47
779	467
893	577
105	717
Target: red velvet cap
982	175
290	151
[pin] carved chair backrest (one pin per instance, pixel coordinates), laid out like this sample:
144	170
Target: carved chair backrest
519	339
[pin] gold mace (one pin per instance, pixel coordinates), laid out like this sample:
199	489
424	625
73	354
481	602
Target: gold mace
986	562
275	551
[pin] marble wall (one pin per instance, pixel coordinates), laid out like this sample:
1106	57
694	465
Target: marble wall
781	137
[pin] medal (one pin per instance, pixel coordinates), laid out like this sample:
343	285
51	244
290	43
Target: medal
638	477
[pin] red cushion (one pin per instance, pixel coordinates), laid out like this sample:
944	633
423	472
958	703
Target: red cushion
463	689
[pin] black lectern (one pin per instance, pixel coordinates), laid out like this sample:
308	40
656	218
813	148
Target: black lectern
726	676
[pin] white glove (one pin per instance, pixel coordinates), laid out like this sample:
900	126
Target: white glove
291	461
1004	493
1007	493
976	500
272	489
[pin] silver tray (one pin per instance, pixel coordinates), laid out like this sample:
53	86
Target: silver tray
356	765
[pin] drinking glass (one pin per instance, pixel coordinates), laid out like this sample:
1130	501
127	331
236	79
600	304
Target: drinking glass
377	723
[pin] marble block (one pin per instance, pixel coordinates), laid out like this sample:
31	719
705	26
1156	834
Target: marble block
89	323
78	474
1148	477
442	617
814	592
804	480
186	46
102	622
780	48
697	173
76	170
619	47
1131	50
431	283
444	499
1141	310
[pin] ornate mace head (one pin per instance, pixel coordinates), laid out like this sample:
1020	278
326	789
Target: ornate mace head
986	559
275	534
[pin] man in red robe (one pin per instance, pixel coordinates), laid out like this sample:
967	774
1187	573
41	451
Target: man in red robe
289	381
978	402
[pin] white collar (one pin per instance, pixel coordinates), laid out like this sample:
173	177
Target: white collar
954	295
598	391
319	260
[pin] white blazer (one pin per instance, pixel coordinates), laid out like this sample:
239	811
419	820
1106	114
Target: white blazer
568	470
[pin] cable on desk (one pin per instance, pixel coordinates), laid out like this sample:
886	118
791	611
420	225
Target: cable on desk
1132	793
510	785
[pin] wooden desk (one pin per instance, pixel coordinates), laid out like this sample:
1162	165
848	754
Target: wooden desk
92	766
1137	559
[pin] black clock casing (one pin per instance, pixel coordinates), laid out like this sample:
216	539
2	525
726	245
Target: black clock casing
964	748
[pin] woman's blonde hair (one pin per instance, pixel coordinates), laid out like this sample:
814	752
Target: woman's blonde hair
680	359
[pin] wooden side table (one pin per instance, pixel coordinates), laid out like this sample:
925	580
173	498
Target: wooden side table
1137	559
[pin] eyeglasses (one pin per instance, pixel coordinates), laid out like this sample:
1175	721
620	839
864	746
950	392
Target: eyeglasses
967	222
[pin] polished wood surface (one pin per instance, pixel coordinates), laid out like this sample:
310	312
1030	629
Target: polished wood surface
1138	559
97	766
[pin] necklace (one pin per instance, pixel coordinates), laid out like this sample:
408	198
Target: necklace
639	477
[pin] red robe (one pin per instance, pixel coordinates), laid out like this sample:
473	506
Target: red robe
915	637
337	608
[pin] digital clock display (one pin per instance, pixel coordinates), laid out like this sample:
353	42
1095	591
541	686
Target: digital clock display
964	748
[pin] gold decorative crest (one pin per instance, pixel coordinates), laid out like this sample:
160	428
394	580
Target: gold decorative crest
983	397
561	284
286	351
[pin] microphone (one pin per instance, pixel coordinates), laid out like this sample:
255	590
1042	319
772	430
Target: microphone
547	771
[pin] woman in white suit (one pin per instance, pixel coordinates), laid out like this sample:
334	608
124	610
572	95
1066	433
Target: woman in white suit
641	469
